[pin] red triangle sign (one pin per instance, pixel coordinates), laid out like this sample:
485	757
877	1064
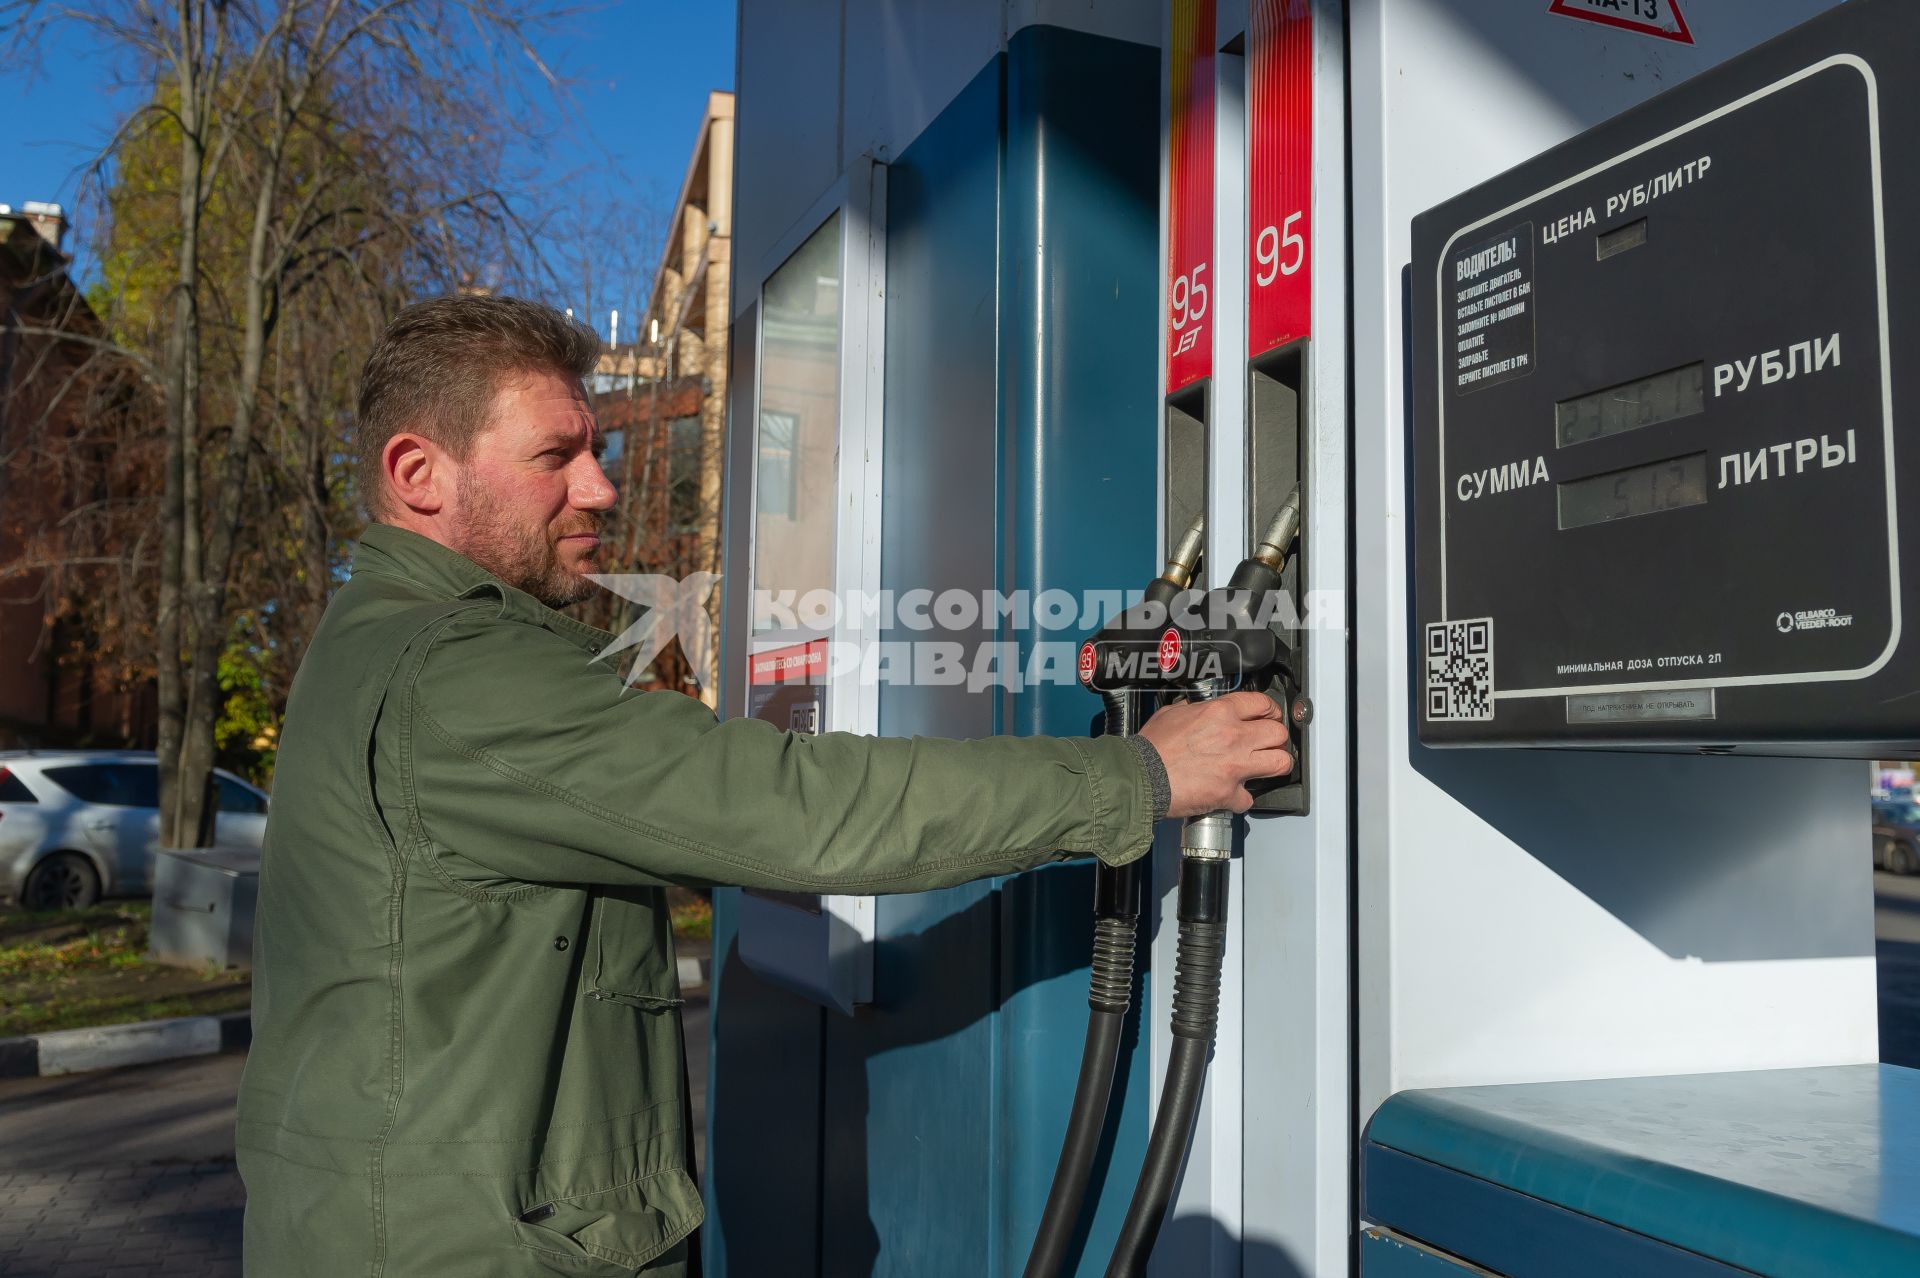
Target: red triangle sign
1660	18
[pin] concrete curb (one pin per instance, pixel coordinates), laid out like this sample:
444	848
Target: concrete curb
112	1046
144	1042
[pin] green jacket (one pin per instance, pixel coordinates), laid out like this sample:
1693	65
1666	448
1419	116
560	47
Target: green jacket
467	1059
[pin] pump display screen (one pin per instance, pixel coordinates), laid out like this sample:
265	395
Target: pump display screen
1642	490
1654	399
1663	397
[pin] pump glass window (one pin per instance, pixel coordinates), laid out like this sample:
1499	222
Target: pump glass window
799	419
777	432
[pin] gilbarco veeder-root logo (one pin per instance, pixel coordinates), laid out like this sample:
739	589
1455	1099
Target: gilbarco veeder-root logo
1812	619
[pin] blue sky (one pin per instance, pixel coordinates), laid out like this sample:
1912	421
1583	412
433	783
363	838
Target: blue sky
638	72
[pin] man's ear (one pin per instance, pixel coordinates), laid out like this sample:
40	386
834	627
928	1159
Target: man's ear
417	473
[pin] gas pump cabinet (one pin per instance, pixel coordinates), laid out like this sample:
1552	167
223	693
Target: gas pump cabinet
1657	394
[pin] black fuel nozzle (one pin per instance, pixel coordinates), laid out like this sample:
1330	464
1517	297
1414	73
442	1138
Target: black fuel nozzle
1123	659
1229	639
1180	640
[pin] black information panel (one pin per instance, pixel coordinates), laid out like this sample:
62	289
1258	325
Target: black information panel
1657	396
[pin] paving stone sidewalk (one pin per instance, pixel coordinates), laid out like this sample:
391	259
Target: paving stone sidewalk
122	1172
154	1220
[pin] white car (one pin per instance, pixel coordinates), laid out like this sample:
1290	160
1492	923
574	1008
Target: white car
77	825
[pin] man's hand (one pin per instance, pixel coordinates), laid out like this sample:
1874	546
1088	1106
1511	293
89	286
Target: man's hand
1213	748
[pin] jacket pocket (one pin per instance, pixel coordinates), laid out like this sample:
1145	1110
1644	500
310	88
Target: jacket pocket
633	959
614	1231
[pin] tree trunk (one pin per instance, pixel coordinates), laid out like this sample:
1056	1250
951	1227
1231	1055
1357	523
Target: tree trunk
196	748
209	612
179	793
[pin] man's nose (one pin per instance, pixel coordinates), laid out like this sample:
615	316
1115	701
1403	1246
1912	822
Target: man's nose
590	488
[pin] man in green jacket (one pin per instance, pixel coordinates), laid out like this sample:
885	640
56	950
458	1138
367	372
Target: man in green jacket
467	1057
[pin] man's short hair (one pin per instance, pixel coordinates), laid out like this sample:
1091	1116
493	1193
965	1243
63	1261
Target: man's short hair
439	365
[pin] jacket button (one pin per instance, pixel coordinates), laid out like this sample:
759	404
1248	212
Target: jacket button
561	943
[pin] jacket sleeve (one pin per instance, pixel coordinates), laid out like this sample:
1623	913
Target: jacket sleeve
531	763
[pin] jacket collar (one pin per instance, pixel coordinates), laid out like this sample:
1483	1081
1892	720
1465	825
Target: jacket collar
423	561
445	572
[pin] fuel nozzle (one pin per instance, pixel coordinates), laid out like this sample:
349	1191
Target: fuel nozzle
1121	659
1186	554
1260	571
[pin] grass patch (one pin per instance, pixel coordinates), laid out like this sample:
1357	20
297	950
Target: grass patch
692	914
90	967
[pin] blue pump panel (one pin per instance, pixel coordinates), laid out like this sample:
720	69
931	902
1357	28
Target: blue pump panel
1387	1255
1806	1173
919	1135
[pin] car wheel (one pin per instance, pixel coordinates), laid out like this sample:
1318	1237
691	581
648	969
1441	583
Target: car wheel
1901	859
64	881
1883	849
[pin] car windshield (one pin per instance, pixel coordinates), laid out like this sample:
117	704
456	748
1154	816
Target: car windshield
1900	813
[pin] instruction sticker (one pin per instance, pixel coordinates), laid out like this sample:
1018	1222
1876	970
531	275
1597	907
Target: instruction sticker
1488	287
1659	18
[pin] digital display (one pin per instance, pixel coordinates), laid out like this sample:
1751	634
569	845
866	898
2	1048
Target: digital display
1642	490
1614	243
1664	397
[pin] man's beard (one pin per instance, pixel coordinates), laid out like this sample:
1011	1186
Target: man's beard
526	558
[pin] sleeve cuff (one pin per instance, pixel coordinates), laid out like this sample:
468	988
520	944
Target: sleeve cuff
1159	788
1122	799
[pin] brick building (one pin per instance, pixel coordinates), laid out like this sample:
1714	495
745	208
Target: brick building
78	441
663	399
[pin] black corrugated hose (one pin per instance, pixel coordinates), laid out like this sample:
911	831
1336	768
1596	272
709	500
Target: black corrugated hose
1199	955
1116	909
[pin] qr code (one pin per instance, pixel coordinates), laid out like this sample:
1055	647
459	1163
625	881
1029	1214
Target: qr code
1460	669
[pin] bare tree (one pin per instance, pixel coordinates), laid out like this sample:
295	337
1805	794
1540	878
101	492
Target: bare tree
331	157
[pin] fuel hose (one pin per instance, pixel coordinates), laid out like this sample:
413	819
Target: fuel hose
1118	892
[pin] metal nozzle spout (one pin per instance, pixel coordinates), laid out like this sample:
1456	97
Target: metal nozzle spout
1186	554
1273	547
